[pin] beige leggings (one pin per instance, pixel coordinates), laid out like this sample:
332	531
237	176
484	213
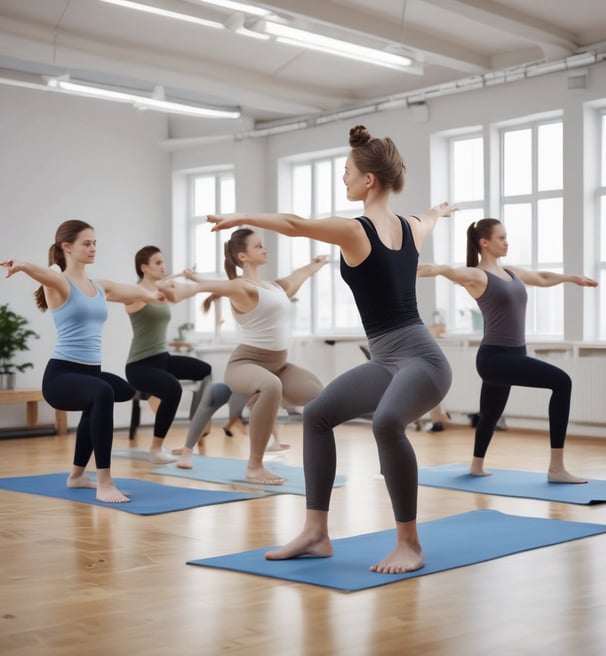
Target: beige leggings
254	371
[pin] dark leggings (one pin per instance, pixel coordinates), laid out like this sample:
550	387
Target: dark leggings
73	386
408	375
159	375
500	367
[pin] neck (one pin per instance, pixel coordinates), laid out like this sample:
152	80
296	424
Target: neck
251	272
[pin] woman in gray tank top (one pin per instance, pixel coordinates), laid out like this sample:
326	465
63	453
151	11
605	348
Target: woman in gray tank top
501	361
407	375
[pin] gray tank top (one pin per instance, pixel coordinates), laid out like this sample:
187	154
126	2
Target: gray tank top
503	307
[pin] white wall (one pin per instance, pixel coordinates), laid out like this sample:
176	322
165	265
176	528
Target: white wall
64	157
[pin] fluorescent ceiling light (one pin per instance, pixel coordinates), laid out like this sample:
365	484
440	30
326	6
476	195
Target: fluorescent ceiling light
304	39
238	6
140	102
165	13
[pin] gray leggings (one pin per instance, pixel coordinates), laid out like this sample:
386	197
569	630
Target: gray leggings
267	374
408	375
209	398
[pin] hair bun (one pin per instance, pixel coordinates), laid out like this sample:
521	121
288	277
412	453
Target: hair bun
358	136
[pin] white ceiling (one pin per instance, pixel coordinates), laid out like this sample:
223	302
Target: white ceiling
270	82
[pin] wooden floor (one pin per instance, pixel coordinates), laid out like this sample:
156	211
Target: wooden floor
87	580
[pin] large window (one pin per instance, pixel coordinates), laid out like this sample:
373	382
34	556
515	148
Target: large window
466	182
210	193
532	210
324	304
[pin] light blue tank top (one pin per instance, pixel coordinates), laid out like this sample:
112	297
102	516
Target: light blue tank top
79	323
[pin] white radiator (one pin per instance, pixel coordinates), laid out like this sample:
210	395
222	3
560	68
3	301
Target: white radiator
588	375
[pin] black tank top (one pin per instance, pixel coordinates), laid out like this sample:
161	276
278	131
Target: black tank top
384	285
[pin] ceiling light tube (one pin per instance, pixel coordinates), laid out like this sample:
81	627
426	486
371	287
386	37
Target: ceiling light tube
165	13
238	6
141	102
310	40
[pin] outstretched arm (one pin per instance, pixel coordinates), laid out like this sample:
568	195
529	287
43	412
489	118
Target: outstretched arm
292	283
427	221
550	279
473	279
54	282
117	292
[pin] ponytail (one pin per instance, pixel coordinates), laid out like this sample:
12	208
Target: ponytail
481	229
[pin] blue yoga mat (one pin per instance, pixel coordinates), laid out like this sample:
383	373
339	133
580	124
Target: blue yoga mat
455	541
231	471
146	498
511	483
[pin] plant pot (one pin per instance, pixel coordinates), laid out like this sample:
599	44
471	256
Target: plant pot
7	380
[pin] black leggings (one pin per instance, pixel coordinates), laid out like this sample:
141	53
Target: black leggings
159	375
72	386
500	367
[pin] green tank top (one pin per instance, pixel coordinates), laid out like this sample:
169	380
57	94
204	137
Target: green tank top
149	324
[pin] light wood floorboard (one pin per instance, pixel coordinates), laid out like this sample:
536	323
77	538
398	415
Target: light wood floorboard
87	580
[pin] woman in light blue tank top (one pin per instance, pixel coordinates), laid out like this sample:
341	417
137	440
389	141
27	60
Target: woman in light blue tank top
408	374
502	360
73	379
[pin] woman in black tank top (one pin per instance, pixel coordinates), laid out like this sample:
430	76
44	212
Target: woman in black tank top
501	360
407	374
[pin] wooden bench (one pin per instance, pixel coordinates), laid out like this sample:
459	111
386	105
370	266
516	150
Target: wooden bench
32	397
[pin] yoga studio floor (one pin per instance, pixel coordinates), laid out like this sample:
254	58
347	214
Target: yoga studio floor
80	579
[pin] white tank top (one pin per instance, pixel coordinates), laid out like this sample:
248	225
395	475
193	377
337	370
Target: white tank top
267	326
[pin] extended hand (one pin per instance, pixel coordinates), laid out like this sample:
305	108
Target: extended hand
11	267
445	209
583	281
224	221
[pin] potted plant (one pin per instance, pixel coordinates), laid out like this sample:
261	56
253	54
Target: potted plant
14	337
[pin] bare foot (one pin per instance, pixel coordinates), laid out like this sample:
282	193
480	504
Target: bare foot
306	544
275	445
80	481
160	457
110	494
404	558
185	462
262	476
481	472
562	476
477	467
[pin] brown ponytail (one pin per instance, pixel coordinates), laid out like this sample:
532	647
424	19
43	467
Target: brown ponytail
236	244
481	229
68	232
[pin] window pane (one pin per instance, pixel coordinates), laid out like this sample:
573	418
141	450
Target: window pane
301	190
468	169
323	188
518	223
603	175
550	156
602	292
550	246
204	195
205	258
549	303
517	162
603	228
228	194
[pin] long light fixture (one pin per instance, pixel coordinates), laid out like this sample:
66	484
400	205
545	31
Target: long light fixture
245	8
155	103
313	41
165	13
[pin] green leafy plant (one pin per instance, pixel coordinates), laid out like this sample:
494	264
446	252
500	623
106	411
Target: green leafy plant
14	337
182	329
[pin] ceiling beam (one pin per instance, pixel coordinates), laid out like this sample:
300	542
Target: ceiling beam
434	49
555	42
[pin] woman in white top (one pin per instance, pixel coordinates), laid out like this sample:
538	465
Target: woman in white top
258	366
